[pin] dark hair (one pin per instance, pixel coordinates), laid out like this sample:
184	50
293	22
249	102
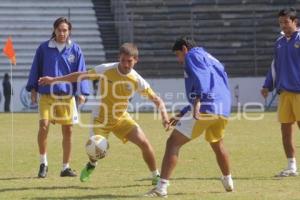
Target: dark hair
186	41
288	12
57	22
129	49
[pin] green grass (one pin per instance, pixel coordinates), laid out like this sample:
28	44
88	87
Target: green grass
255	148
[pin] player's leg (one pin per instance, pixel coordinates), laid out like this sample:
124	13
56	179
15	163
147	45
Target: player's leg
127	129
42	143
137	136
222	157
184	131
173	145
96	129
67	148
64	110
289	149
214	135
287	117
44	122
287	139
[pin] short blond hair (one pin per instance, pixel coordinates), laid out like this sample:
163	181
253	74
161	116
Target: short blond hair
129	49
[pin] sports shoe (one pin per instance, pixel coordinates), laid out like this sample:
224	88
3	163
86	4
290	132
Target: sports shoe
43	171
287	172
86	172
227	184
155	179
156	193
68	172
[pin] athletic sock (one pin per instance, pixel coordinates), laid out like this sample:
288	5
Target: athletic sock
155	173
43	159
292	164
162	186
65	166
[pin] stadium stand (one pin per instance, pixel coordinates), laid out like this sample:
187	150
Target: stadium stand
106	24
240	33
30	22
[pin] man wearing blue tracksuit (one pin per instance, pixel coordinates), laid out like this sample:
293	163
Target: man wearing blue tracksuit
57	57
207	91
284	76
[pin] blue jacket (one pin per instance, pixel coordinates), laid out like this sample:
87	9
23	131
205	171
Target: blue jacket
285	70
206	78
48	61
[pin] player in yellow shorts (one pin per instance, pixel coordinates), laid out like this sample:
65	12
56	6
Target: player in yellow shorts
57	56
207	90
289	107
284	78
58	109
117	84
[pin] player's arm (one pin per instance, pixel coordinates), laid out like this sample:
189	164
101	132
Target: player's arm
196	108
162	109
33	96
269	83
174	120
73	77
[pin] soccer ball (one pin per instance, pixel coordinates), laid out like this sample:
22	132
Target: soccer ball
96	147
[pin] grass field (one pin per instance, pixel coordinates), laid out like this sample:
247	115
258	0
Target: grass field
255	148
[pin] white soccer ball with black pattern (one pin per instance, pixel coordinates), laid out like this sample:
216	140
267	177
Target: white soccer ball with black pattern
96	147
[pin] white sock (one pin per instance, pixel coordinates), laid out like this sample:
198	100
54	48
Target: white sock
155	173
162	185
93	163
292	164
65	166
228	177
43	159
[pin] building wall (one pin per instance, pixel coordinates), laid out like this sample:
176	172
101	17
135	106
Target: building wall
246	91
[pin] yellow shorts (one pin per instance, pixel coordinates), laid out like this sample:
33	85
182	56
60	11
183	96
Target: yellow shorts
58	109
212	125
120	129
288	107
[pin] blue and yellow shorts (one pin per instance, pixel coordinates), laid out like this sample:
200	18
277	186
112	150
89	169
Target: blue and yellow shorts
58	109
212	125
288	107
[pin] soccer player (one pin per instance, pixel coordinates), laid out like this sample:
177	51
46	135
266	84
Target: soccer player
284	77
117	83
55	57
206	85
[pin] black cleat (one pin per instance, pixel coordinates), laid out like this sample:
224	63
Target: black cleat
68	172
43	171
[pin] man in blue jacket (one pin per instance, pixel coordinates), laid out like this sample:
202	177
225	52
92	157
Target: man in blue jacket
207	91
56	57
284	76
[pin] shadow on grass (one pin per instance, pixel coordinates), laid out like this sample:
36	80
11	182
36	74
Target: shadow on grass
125	186
16	178
101	196
218	178
47	188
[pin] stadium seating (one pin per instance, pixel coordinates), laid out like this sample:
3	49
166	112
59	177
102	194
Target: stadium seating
240	33
30	22
106	24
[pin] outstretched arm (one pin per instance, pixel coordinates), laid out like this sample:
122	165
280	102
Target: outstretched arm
162	109
73	77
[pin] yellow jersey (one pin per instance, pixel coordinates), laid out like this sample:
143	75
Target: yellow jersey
115	90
